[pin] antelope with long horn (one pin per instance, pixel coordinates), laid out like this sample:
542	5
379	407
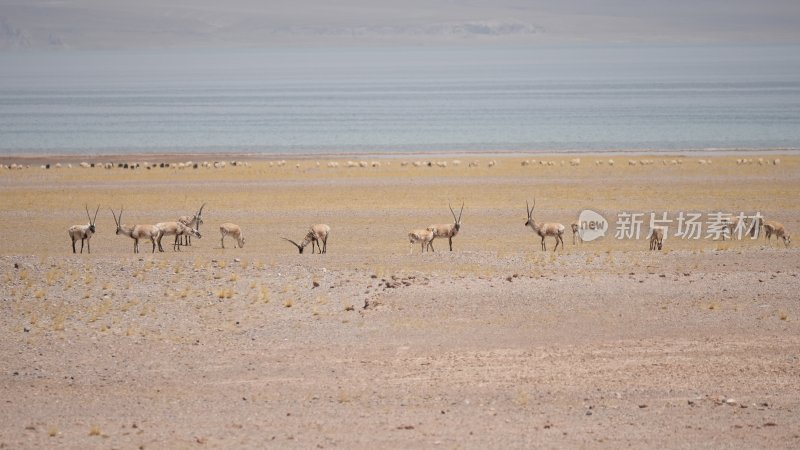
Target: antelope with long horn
424	237
449	230
316	234
136	232
191	222
84	232
231	229
176	229
545	229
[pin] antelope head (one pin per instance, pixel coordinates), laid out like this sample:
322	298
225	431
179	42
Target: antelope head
117	221
530	212
457	219
299	247
92	221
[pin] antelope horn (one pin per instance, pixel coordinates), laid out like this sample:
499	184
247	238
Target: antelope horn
293	242
115	216
201	209
95	214
460	212
89	216
452	212
528	209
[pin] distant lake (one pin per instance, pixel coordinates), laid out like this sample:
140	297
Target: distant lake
338	100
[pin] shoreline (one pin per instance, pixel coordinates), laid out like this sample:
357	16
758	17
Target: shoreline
266	156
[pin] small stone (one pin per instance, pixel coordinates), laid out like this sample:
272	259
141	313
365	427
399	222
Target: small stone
315	284
642	406
731	401
588	413
26	329
237	260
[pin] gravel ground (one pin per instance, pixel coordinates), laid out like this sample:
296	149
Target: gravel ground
494	345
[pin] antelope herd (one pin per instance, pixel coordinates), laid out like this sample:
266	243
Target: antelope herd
317	235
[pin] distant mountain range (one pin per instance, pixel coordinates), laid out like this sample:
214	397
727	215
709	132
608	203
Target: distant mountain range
114	24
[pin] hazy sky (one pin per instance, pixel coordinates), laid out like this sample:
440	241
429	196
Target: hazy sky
218	23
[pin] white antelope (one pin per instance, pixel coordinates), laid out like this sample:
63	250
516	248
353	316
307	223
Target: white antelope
192	222
136	232
424	237
778	230
84	232
233	230
176	229
448	230
545	229
316	234
575	234
656	238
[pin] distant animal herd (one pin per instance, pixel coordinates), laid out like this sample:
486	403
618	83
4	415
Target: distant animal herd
186	227
573	162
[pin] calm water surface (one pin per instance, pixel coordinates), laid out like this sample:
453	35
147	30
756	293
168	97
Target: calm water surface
401	99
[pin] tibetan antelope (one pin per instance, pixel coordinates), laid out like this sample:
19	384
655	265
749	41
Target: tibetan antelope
449	230
233	230
316	234
424	237
545	229
575	233
737	228
191	222
136	232
84	232
176	229
778	230
656	238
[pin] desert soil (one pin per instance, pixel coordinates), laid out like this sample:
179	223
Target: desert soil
496	344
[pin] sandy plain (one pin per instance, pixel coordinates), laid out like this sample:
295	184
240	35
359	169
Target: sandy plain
494	345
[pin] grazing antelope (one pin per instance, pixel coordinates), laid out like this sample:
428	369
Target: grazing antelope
736	228
545	229
316	234
84	232
191	222
731	226
231	229
449	230
136	232
778	230
424	237
575	233
656	238
176	229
